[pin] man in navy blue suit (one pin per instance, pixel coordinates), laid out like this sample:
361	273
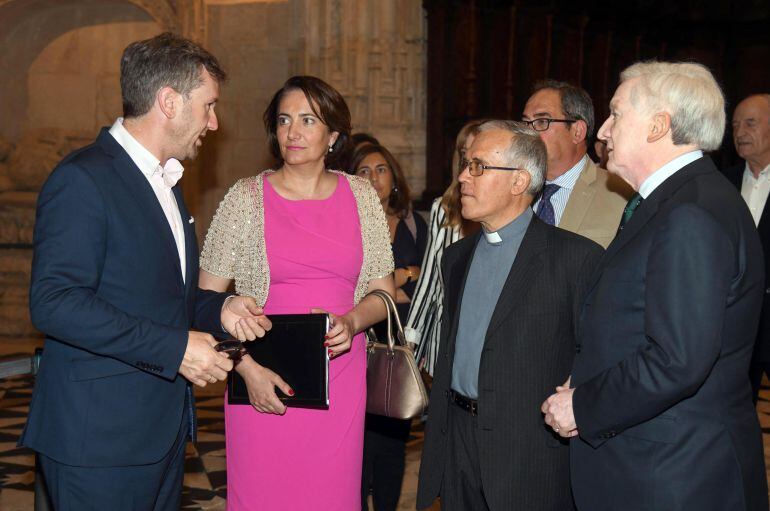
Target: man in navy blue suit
115	290
659	407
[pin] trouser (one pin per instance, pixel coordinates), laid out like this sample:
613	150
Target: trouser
462	488
756	370
384	459
156	487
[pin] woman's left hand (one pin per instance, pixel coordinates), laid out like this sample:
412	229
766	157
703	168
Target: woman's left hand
340	336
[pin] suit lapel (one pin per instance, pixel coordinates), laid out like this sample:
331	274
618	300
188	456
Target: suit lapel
580	199
456	284
139	188
526	265
649	208
190	240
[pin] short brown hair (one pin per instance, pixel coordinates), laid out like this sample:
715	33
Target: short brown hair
399	202
165	60
327	104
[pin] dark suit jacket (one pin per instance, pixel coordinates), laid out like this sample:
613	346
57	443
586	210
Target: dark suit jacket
762	346
108	293
528	351
662	401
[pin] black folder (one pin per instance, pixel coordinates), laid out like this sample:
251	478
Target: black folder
293	349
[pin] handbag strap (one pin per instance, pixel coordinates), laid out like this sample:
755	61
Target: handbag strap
393	319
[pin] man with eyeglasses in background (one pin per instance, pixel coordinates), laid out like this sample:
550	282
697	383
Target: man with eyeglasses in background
578	195
507	337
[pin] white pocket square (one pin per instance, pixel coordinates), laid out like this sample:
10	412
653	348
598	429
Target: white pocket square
191	220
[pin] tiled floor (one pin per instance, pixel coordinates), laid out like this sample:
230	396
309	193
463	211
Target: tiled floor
205	477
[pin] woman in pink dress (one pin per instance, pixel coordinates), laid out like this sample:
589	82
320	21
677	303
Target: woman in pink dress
302	238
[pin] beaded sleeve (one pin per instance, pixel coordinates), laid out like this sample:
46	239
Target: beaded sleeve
235	243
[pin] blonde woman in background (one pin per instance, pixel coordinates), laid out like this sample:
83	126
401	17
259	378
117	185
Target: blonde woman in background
445	227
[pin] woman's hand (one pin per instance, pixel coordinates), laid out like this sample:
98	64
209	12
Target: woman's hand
261	383
340	336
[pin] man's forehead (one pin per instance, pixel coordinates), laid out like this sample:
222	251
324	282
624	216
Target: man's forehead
754	106
490	143
544	102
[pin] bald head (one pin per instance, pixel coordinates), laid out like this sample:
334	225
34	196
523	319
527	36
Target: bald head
751	131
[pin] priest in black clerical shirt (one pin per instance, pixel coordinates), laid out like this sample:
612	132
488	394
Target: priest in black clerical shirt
507	337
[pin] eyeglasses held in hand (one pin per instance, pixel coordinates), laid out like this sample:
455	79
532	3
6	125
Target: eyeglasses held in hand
476	168
233	348
543	123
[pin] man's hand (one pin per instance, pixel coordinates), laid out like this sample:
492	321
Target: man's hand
243	319
202	364
558	411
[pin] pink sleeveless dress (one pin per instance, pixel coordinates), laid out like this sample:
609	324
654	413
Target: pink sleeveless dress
306	459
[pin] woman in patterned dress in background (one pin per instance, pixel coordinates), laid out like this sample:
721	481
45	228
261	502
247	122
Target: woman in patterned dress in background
301	238
446	225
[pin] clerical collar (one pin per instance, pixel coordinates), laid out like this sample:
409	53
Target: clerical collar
511	230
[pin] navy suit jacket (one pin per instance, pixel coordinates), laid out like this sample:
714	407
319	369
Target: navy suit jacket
762	347
662	400
107	291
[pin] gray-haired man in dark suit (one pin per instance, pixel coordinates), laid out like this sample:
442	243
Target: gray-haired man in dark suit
507	337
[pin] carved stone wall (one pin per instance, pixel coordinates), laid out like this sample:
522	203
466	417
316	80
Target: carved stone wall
59	65
373	52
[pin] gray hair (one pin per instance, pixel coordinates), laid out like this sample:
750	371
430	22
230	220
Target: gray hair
688	92
575	102
527	151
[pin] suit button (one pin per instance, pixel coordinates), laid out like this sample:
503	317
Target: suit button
767	291
577	348
443	431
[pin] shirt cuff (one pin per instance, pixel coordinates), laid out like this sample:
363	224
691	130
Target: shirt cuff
412	335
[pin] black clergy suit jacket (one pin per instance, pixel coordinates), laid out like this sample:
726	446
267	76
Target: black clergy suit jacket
528	351
762	346
662	400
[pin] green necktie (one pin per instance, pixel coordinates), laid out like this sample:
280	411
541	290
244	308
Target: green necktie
628	212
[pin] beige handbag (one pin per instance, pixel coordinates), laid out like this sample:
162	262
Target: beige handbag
393	383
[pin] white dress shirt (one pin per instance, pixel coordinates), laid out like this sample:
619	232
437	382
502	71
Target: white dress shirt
655	179
755	191
152	170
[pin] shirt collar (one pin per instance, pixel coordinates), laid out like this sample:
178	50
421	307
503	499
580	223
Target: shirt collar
144	159
569	178
655	179
511	231
748	173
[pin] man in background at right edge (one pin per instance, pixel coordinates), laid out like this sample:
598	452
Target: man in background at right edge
659	404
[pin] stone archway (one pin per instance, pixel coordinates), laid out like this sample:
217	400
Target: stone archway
29	29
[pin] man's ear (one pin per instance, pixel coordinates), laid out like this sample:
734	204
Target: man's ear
168	101
660	126
579	132
521	182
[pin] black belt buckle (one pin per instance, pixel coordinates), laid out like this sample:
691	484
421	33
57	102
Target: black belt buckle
469	405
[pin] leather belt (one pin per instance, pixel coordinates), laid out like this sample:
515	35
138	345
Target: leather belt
469	405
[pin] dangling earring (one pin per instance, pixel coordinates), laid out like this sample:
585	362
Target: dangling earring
331	148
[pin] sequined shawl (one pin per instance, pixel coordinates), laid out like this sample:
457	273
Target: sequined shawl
235	243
